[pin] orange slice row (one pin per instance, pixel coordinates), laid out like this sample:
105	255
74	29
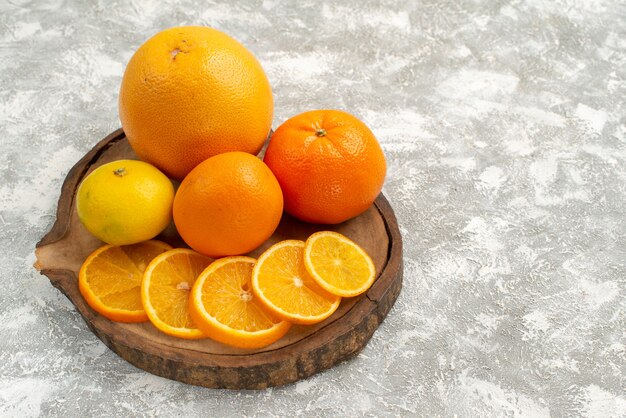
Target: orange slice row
238	301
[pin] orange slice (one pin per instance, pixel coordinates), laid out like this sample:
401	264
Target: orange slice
223	306
165	289
282	283
110	279
338	264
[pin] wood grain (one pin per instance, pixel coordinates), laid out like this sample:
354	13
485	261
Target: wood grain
304	351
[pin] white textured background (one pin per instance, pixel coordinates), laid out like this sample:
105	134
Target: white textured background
504	127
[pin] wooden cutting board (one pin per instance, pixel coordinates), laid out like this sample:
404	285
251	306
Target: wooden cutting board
304	351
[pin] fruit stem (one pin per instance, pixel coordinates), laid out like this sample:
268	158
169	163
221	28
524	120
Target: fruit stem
320	132
120	172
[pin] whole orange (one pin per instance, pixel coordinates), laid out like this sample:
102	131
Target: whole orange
228	205
190	93
329	165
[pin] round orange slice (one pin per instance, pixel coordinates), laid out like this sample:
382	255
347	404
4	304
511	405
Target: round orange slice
223	306
110	279
338	264
282	283
167	283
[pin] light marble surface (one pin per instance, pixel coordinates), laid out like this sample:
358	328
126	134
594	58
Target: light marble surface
504	127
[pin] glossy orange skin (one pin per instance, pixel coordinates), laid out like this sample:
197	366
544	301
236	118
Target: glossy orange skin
190	93
228	205
329	165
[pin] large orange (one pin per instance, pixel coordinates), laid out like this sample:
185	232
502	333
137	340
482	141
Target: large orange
190	93
329	165
228	205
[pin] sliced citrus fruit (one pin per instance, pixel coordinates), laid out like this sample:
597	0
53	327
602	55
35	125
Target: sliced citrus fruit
165	289
338	264
110	279
282	283
223	306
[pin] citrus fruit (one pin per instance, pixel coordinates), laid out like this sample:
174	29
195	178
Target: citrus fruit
189	93
125	202
223	306
165	289
281	282
329	165
228	205
338	264
110	279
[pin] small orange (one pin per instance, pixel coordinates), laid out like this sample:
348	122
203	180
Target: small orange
329	165
110	279
189	93
281	282
223	306
228	205
165	289
338	264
